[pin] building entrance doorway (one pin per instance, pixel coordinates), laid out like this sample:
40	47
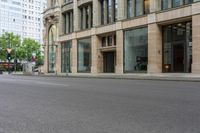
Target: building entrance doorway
109	62
177	48
178	58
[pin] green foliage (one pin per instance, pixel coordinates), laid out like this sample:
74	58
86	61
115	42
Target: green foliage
23	50
4	43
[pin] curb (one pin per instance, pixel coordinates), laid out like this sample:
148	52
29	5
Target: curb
123	77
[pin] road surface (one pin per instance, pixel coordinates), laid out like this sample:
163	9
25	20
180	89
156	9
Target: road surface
81	105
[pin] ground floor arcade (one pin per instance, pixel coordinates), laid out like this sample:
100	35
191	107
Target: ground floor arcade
172	47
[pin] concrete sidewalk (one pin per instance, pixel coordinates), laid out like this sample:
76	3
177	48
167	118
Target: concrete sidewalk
139	76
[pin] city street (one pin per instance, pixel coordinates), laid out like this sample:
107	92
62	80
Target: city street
31	104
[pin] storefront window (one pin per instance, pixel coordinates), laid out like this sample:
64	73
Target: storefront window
66	57
84	55
135	50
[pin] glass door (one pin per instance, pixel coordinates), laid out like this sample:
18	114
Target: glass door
177	47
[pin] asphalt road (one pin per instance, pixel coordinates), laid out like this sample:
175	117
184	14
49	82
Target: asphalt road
73	105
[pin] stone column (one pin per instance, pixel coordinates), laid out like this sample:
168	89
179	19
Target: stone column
181	2
74	56
169	3
48	4
46	48
76	16
154	48
122	9
155	5
96	55
96	13
105	16
196	44
58	58
119	52
62	24
46	59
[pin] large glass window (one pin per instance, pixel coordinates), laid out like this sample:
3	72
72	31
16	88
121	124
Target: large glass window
108	11
86	16
52	49
135	50
84	55
66	57
177	47
165	4
130	8
137	7
174	3
109	40
68	22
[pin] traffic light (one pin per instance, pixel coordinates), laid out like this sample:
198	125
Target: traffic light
8	56
15	61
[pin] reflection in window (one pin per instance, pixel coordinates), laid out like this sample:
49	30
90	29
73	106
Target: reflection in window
108	11
86	16
174	3
68	22
52	49
130	8
135	50
84	55
109	40
177	47
103	41
165	4
66	57
137	7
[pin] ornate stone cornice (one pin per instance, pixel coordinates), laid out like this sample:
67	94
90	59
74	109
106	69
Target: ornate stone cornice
53	11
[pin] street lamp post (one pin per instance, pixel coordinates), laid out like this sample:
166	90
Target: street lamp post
8	53
15	61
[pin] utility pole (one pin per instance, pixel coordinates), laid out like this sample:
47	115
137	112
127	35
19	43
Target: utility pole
15	61
8	53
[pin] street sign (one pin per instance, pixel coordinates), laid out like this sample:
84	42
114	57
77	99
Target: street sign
9	50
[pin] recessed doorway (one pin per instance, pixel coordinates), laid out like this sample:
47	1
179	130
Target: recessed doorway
178	57
109	62
177	47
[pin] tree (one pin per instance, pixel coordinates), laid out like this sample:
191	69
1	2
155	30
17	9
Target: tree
23	50
14	40
28	47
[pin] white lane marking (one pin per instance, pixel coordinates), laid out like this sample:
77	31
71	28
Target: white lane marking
29	82
55	84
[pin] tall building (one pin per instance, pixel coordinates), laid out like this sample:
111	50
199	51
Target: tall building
22	17
122	36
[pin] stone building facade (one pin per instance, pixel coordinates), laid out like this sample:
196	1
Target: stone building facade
122	36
